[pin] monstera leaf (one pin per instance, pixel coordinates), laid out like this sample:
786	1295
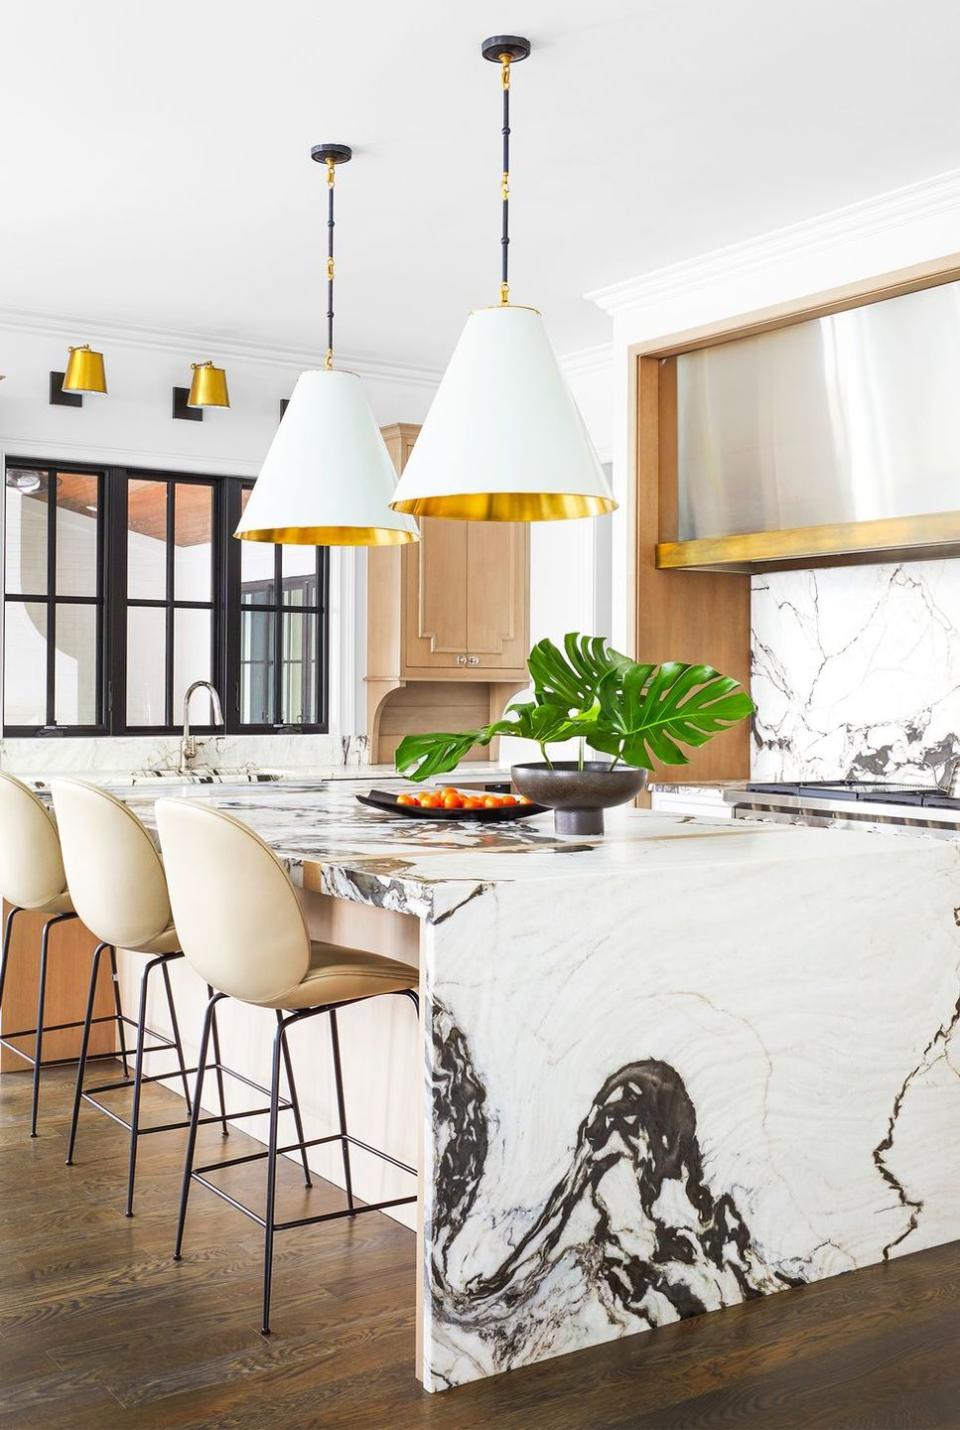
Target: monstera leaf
420	756
571	677
646	713
636	712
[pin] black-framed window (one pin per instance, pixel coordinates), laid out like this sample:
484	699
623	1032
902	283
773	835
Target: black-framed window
169	614
124	586
282	633
53	597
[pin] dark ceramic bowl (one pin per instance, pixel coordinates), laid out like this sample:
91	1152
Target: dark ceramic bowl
578	797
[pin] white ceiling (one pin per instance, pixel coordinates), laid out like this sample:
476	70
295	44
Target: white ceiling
155	169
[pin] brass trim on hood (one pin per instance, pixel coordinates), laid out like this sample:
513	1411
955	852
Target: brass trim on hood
897	538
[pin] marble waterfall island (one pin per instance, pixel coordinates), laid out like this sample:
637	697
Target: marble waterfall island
667	1071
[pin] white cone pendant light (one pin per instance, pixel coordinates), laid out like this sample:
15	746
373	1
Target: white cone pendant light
504	440
327	479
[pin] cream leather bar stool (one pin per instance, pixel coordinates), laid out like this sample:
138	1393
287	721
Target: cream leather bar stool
243	929
32	880
116	879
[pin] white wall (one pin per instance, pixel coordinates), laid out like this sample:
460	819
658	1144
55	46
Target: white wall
570	582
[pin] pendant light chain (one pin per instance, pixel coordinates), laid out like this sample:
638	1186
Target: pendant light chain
331	171
505	182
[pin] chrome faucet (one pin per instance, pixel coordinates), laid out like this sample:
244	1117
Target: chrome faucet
188	744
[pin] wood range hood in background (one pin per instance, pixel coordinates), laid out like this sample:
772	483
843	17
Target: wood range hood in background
825	431
828	436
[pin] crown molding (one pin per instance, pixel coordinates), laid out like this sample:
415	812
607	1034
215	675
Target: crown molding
25	448
191	344
898	208
585	362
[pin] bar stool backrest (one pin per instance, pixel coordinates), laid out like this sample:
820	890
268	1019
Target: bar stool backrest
114	872
31	865
237	912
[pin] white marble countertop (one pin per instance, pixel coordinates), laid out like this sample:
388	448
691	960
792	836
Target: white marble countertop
334	845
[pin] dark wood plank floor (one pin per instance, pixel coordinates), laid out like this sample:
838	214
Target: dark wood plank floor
98	1327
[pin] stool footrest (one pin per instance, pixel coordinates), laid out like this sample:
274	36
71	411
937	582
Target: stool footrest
302	1146
197	1174
56	1028
58	1062
335	1216
175	1073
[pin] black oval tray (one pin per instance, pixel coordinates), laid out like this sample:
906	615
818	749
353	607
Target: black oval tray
381	799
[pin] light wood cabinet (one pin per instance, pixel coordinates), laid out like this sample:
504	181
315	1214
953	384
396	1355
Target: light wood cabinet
465	598
435	597
452	609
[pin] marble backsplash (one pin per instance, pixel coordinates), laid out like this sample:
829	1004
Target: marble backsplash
160	754
856	672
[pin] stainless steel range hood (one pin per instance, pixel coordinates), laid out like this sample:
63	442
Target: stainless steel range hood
839	434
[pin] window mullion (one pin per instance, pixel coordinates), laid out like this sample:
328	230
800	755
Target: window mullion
115	619
278	637
52	594
323	631
169	624
230	596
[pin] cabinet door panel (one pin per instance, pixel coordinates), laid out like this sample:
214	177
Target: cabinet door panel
435	604
497	601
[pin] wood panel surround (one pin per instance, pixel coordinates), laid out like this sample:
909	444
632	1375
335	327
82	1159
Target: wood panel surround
695	616
691	600
448	624
70	951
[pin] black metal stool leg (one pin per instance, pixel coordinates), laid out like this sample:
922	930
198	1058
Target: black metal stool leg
216	1059
84	1044
121	1031
138	1082
341	1107
269	1215
176	1034
41	1000
295	1103
7	935
208	1021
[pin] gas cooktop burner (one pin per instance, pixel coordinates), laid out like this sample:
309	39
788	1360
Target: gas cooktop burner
876	792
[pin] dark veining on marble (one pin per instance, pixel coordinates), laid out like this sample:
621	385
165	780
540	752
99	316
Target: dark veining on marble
790	747
666	1250
912	1205
472	893
462	1138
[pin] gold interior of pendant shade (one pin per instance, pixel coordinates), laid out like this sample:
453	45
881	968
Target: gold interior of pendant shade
209	386
507	506
85	372
329	535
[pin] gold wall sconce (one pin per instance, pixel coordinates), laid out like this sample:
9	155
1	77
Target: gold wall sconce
209	386
85	373
207	389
